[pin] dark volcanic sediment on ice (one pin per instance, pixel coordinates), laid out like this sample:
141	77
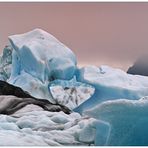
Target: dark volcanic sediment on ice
22	99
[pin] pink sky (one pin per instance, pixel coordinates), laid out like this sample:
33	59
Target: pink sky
99	33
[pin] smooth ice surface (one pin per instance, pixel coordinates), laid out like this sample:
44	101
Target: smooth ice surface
111	83
38	58
70	93
127	118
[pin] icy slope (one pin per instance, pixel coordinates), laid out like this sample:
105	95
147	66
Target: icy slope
38	58
110	84
127	119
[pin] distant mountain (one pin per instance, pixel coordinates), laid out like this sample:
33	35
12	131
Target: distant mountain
140	67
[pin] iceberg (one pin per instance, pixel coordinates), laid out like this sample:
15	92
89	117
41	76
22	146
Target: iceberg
37	59
78	106
127	119
109	84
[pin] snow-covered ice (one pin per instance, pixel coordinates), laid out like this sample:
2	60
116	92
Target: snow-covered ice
31	125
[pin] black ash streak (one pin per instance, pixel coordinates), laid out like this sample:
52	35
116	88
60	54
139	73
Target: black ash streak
23	98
